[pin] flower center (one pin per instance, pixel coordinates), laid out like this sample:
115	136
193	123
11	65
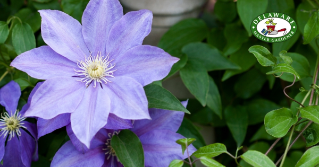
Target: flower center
109	150
11	124
95	69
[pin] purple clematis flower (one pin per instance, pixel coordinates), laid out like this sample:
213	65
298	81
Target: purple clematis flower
158	137
94	69
21	147
47	126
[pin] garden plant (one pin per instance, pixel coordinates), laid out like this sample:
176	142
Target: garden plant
79	88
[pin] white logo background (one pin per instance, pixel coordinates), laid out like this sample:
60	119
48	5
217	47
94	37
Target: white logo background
281	23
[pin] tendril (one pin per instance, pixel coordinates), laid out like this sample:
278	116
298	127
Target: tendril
288	95
278	75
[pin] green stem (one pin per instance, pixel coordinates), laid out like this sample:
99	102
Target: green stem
237	162
4	74
286	150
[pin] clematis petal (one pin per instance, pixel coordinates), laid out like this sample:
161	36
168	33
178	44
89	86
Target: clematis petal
115	122
44	63
63	34
145	64
75	141
97	20
12	156
2	146
27	144
128	98
111	162
160	147
98	140
46	126
161	120
128	32
9	96
68	156
31	128
56	96
26	106
91	114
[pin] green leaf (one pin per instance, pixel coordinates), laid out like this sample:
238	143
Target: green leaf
211	150
183	33
285	57
74	8
311	135
207	116
225	11
178	65
258	108
42	1
33	18
237	122
249	83
261	134
284	68
292	158
196	80
23	83
261	147
56	143
43	161
299	97
248	10
264	57
278	122
242	58
285	6
176	163
302	17
213	98
208	56
128	149
53	4
285	45
210	162
185	143
300	64
257	159
235	36
159	97
309	158
311	113
311	29
4	31
22	38
187	129
217	39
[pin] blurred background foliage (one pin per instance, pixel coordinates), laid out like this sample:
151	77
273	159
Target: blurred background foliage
231	91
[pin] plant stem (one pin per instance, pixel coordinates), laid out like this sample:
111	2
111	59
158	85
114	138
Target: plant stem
295	140
314	81
287	147
4	74
272	146
189	158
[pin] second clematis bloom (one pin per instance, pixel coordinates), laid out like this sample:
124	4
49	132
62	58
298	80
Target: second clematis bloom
94	69
18	144
158	137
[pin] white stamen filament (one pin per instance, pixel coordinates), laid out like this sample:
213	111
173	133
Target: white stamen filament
11	124
109	150
95	69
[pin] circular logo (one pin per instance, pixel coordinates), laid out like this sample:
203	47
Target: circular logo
273	27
